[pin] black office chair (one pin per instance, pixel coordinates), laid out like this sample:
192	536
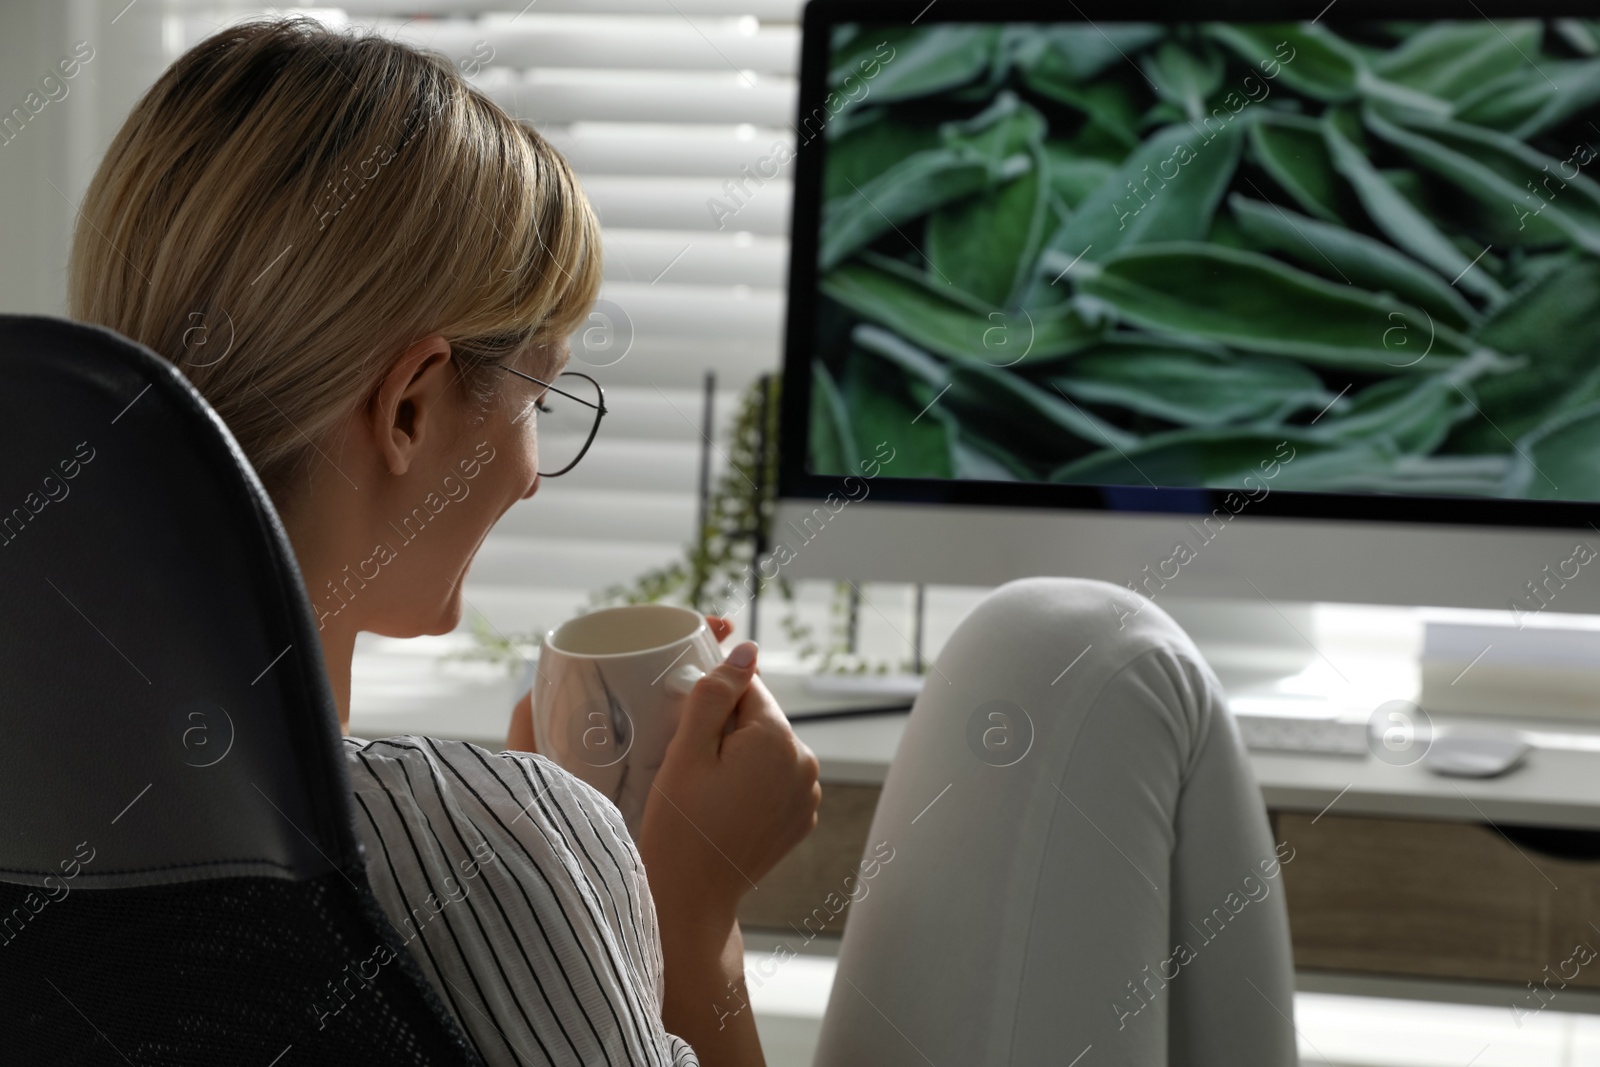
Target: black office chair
181	880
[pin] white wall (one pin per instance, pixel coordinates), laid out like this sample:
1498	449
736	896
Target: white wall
60	145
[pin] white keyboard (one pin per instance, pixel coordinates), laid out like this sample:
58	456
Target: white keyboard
1293	733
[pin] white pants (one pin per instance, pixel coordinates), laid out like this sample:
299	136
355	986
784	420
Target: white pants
1067	864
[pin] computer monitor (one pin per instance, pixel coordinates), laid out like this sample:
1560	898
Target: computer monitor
1265	301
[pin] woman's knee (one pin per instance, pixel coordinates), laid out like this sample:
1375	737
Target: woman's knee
1068	613
1056	672
1053	644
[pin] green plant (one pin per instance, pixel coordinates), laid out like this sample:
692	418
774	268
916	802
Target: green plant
715	571
1147	252
717	567
717	563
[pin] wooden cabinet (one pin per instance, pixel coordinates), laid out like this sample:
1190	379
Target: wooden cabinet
1376	896
1423	898
806	893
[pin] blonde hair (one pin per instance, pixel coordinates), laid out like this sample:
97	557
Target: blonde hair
311	202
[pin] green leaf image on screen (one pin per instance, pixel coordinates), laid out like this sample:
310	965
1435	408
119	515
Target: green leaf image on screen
1151	254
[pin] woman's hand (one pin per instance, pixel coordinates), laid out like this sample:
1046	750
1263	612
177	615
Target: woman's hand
519	738
726	807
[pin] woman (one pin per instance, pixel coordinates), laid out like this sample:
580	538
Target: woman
398	263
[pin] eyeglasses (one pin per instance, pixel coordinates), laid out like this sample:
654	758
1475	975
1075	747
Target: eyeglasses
567	421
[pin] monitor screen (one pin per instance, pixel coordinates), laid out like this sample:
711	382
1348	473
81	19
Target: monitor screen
1335	258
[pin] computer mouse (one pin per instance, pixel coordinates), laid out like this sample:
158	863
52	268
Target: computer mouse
1476	753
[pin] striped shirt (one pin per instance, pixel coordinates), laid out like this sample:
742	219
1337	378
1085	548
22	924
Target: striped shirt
522	897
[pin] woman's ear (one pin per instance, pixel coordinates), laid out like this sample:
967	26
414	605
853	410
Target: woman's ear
414	403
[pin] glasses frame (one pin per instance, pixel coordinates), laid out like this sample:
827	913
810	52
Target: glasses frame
599	411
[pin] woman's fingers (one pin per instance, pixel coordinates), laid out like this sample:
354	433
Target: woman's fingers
721	628
733	803
757	705
714	698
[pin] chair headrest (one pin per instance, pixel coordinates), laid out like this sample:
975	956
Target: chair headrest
163	704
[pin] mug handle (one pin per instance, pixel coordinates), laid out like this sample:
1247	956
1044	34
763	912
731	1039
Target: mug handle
680	681
683	679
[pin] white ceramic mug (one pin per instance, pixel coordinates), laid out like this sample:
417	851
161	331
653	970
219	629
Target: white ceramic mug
609	692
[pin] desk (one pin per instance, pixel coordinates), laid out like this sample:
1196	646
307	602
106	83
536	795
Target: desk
1555	787
1403	882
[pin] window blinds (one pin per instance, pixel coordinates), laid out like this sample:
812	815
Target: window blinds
671	111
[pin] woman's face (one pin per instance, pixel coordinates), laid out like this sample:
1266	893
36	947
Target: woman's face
426	523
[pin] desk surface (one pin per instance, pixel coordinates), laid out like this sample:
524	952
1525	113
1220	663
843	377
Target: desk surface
1554	787
404	687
